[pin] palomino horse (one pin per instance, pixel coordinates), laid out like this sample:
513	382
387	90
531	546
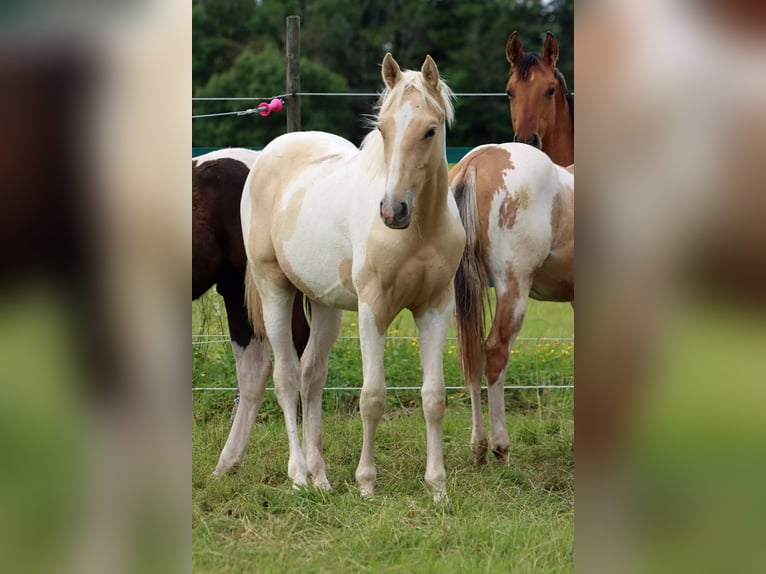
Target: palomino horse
374	230
517	207
542	108
218	257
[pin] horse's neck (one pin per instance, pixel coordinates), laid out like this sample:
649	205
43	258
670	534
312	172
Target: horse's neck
558	143
432	204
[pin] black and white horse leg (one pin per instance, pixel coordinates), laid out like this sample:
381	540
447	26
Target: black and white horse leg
252	359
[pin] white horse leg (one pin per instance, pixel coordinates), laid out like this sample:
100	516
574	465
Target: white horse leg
253	364
277	314
373	397
432	333
509	317
325	327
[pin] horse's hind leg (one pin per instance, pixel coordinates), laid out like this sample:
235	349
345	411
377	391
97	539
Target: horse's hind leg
479	444
509	316
277	308
325	327
253	364
253	368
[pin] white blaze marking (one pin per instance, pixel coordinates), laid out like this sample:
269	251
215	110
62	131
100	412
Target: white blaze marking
402	118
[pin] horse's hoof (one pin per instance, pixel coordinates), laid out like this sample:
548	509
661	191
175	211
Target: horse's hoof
441	498
502	454
299	483
480	452
323	484
224	469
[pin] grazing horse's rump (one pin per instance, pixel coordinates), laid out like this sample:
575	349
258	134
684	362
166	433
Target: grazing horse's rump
517	207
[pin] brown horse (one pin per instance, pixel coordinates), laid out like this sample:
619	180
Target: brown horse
218	258
517	207
542	108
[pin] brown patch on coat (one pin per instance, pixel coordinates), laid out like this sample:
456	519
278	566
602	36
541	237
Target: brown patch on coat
285	221
344	271
522	198
505	326
555	279
506	217
490	163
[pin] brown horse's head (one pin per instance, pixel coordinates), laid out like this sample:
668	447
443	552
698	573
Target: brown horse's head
533	87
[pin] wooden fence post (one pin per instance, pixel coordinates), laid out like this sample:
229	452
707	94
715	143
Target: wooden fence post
293	81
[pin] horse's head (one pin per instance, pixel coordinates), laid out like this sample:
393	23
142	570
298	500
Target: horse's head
532	89
413	111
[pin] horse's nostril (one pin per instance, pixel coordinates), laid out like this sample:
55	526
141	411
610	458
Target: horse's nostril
404	210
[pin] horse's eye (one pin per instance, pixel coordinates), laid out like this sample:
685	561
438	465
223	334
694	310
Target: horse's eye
551	91
429	134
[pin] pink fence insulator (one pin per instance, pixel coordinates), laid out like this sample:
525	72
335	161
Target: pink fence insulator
274	105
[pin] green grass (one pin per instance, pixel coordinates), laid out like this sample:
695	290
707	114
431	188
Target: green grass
501	518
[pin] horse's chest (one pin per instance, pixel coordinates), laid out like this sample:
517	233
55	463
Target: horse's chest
424	276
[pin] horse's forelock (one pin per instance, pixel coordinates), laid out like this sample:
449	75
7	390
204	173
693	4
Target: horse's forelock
531	59
412	79
528	61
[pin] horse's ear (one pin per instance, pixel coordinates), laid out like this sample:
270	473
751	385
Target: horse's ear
513	49
391	72
550	50
430	73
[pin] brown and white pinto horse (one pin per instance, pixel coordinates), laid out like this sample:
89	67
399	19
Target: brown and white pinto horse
218	258
542	108
374	230
517	207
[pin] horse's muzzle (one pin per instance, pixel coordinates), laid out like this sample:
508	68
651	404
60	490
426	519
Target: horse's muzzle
396	215
532	139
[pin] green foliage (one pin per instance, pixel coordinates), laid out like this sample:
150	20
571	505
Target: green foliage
345	43
262	74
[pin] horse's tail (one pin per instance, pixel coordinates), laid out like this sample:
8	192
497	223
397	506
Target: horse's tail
253	303
471	286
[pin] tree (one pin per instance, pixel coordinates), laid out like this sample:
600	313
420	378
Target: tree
263	74
239	51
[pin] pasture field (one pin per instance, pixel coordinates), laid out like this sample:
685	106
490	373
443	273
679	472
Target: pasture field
517	517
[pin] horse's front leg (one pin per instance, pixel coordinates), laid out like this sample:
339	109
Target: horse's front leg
432	331
373	396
